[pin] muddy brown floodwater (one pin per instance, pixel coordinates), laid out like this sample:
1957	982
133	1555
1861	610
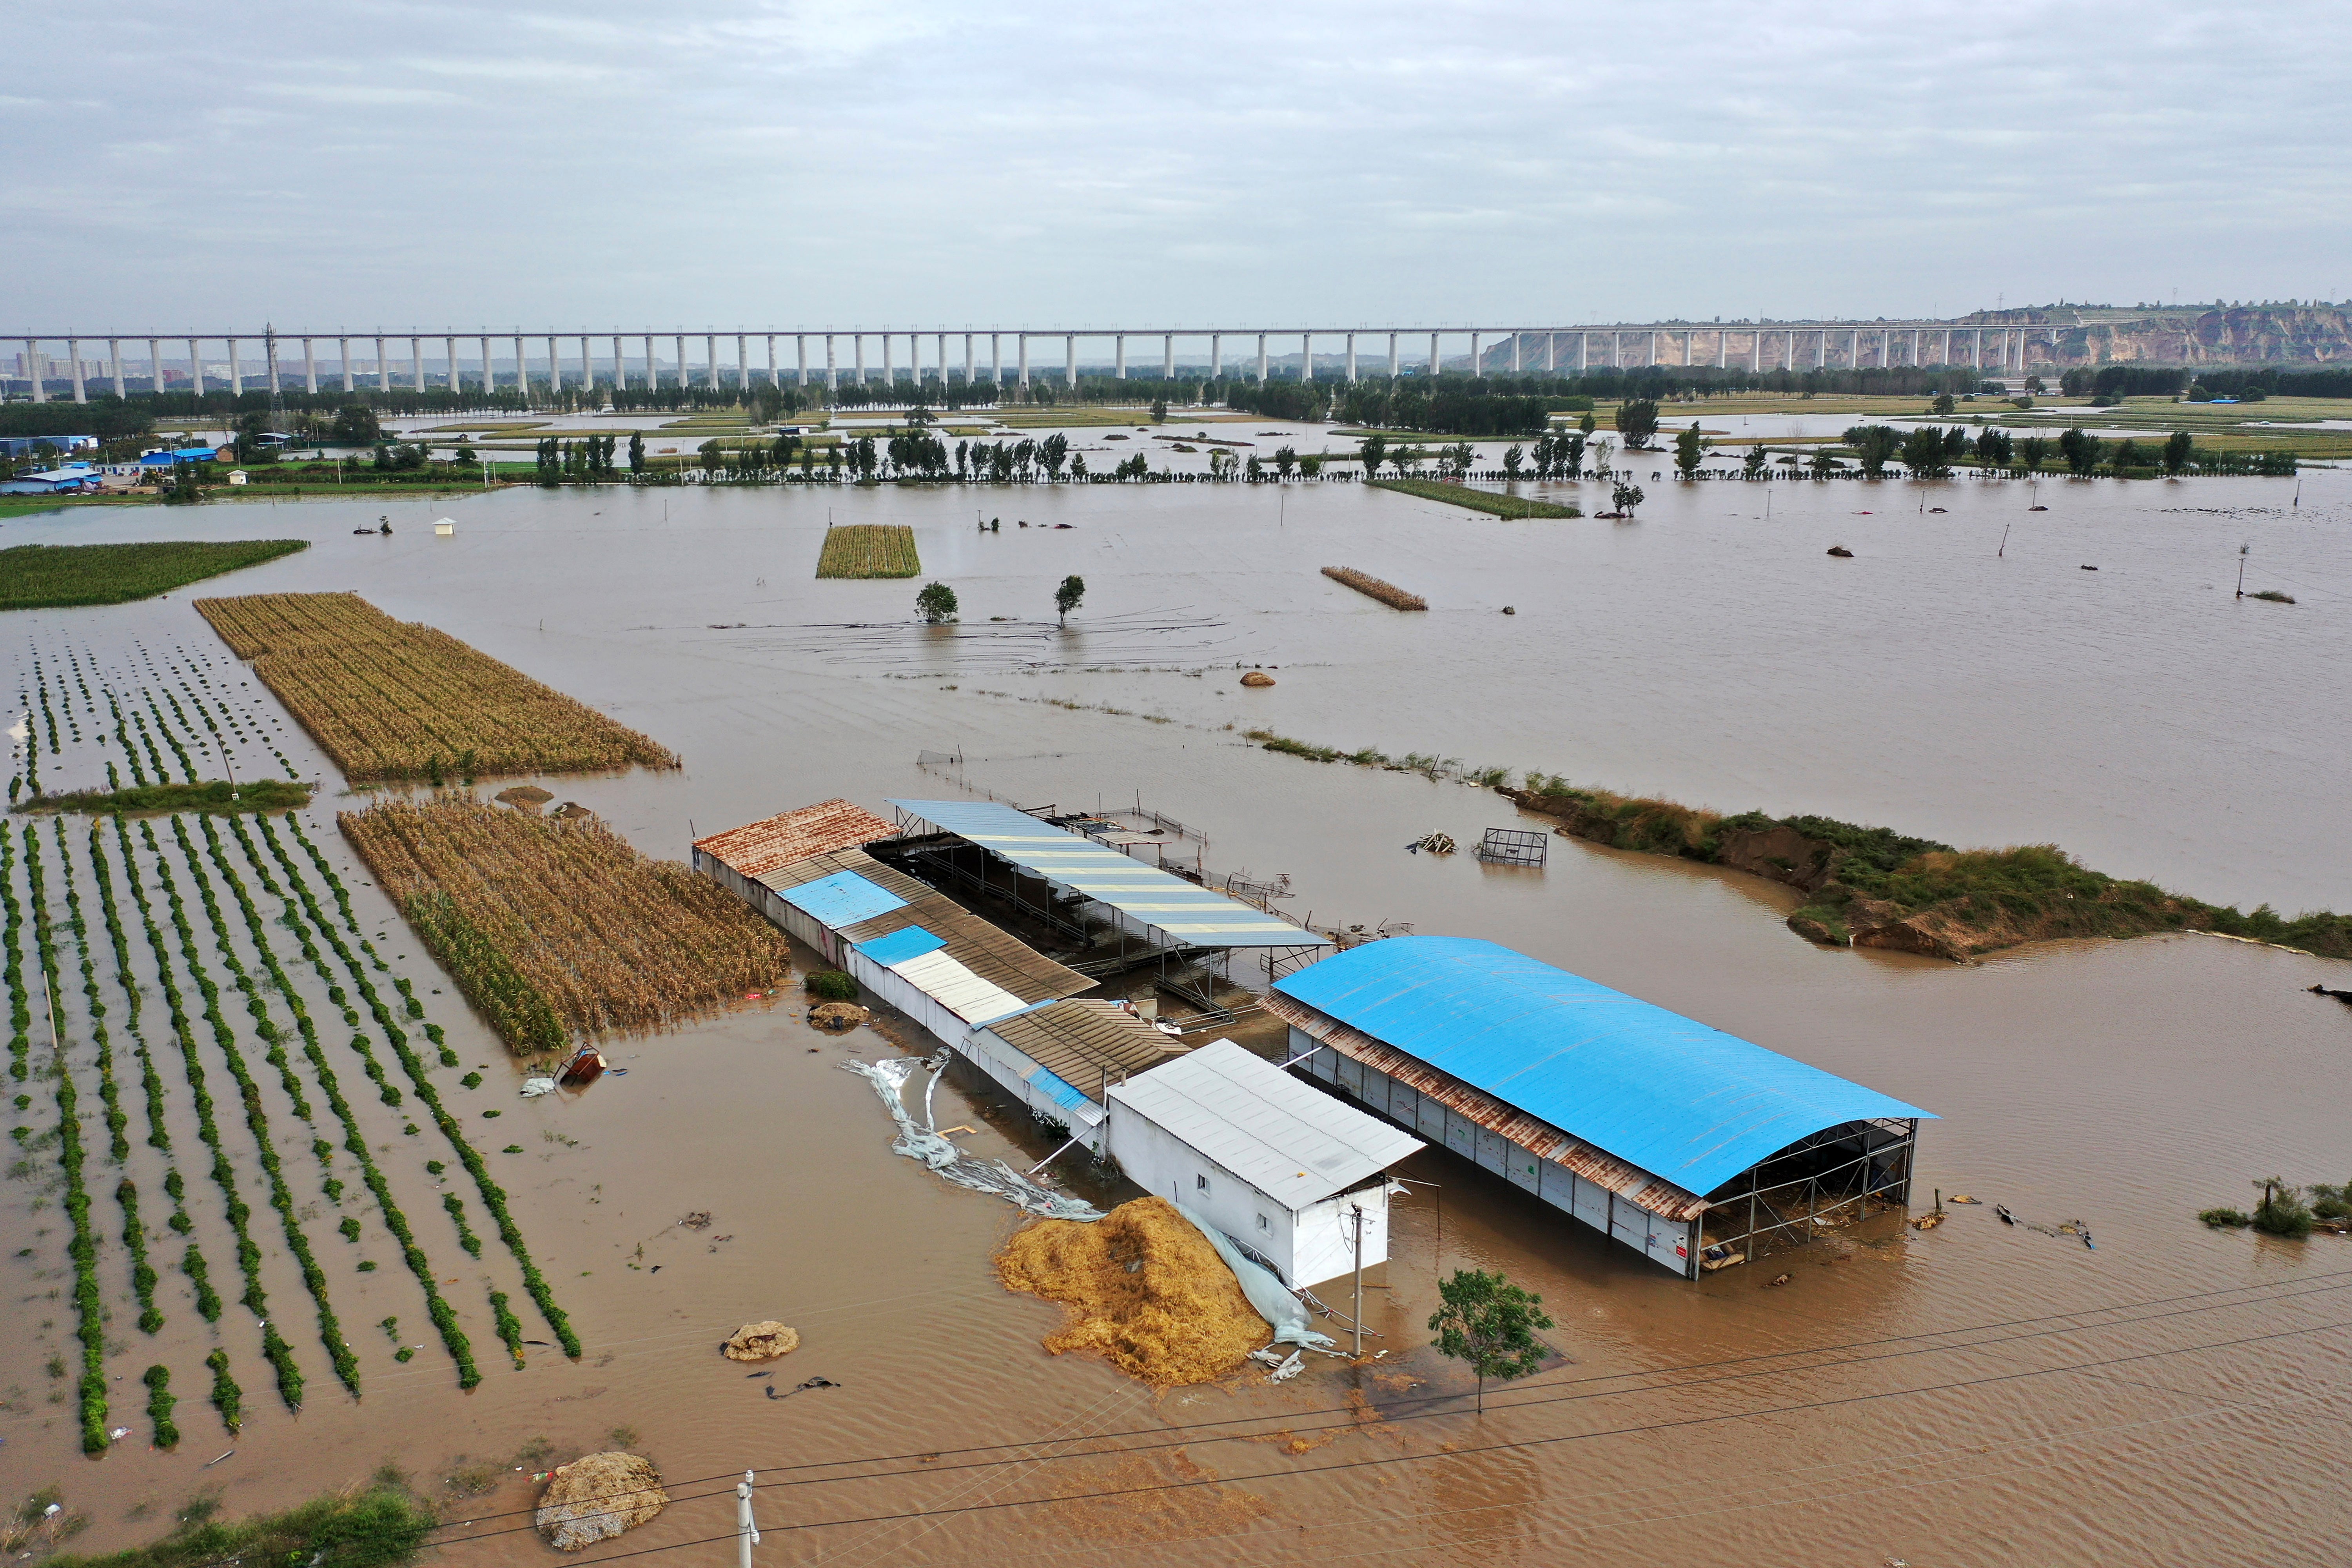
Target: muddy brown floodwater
1974	1393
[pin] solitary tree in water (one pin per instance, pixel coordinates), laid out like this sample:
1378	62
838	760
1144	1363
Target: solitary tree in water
1491	1323
1066	596
1625	497
936	603
1689	447
1637	421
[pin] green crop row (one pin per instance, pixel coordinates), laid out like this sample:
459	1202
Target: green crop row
123	737
12	962
158	1380
159	1135
494	1197
89	1308
331	1333
110	1093
509	1327
142	1273
228	1398
444	1318
249	1255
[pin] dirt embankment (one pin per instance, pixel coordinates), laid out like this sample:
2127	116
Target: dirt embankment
1871	887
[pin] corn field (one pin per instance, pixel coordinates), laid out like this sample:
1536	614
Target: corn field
869	549
558	930
391	700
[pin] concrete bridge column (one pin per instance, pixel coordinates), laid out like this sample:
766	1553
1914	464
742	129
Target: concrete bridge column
1477	369
1021	351
1976	348
554	365
342	349
1915	348
155	361
970	364
620	364
742	366
449	349
942	346
1434	359
1883	348
800	353
1351	359
236	376
832	372
711	358
1168	357
677	344
33	366
1306	356
1654	348
653	376
114	363
1584	350
1070	361
416	364
1721	338
1517	337
889	369
1261	359
858	353
522	374
1119	355
1216	356
73	358
1393	366
995	360
1947	347
195	370
270	363
1551	352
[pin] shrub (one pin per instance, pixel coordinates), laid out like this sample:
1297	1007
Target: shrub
831	985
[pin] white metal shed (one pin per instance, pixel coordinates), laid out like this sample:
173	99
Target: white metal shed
1280	1167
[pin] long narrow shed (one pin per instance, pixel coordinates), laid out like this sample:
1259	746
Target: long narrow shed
1684	1143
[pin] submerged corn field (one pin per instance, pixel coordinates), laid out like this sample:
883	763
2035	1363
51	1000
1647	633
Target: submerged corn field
559	929
226	1087
390	700
869	549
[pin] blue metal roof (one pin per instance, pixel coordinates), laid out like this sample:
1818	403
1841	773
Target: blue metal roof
1181	912
906	943
1676	1098
841	900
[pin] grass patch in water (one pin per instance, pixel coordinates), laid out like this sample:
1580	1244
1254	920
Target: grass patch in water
1475	500
373	1529
53	576
217	797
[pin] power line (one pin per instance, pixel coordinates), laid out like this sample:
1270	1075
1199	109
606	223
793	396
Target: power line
1426	1414
2279	1291
1516	1445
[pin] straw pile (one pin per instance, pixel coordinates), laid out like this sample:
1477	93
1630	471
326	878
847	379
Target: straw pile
1364	583
1142	1288
597	1498
762	1342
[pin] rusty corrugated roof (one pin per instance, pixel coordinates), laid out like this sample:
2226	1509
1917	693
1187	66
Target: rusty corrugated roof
1082	1040
1540	1138
792	835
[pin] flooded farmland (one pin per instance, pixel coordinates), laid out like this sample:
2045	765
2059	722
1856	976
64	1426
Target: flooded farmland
1976	1392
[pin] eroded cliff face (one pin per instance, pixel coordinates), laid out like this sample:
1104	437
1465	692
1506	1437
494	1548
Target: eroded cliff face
2248	334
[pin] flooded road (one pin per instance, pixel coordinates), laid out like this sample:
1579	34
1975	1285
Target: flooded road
1975	1394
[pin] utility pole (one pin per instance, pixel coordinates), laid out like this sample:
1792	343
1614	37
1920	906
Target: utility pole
2243	550
1357	1210
747	1534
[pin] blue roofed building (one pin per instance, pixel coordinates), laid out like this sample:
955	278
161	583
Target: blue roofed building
1692	1147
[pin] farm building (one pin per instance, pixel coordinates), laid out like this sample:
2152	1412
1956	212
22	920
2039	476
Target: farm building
1062	1058
71	479
1692	1147
1283	1170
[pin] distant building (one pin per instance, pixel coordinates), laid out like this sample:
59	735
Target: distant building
28	445
72	480
164	457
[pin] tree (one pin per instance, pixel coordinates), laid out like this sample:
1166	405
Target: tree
1513	454
1874	443
1574	455
1053	451
1689	447
1943	405
2032	450
1586	426
2177	452
1923	454
2080	449
1160	411
1284	459
1753	464
1375	451
1637	421
1625	497
1486	1320
355	426
936	603
1066	596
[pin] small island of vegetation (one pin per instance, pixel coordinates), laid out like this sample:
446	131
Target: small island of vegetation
58	576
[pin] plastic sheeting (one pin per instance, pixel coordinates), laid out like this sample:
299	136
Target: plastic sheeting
920	1141
1270	1296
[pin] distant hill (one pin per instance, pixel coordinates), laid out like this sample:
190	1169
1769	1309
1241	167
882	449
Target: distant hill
2190	334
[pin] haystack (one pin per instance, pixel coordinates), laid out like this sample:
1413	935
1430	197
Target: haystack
1257	678
524	797
1142	1288
839	1016
762	1342
598	1498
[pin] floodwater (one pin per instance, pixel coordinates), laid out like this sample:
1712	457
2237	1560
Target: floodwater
1975	1394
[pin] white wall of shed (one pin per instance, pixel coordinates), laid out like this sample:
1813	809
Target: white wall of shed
1160	1163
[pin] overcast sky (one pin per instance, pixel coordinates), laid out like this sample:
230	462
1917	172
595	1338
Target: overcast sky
595	165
